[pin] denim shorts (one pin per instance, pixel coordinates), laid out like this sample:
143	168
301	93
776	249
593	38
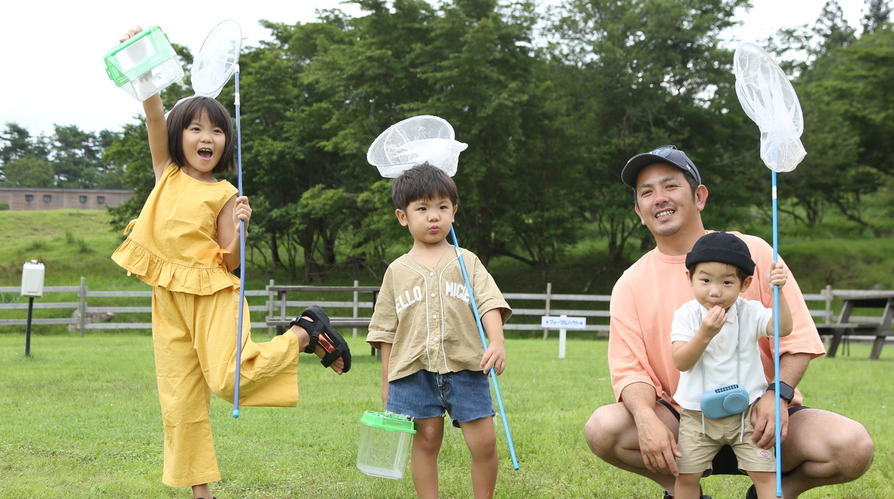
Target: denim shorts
465	395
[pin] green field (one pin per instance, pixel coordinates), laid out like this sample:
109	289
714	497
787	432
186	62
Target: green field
81	416
81	420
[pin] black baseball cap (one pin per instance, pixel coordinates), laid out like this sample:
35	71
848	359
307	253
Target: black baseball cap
665	154
721	247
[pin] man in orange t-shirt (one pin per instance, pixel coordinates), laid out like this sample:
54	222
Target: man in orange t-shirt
638	433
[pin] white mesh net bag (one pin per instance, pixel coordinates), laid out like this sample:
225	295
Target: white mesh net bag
216	60
415	140
768	98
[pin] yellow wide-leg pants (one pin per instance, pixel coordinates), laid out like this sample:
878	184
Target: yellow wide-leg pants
195	354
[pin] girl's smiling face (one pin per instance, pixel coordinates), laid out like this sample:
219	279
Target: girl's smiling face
203	146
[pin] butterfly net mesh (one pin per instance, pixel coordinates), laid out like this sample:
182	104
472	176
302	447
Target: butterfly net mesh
769	99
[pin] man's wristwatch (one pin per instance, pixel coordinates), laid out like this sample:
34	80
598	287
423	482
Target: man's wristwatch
786	392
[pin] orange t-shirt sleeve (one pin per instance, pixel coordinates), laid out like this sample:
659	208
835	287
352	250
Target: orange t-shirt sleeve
627	355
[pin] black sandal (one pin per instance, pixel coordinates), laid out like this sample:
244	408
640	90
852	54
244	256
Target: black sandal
321	332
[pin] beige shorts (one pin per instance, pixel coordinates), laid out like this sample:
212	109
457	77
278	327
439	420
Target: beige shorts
698	449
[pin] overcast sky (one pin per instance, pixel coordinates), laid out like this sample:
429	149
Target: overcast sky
53	70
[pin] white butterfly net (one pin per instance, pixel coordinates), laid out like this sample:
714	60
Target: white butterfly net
768	98
415	140
216	61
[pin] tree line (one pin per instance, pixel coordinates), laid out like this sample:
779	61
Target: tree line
551	104
70	158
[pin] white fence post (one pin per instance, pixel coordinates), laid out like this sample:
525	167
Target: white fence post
356	308
82	306
549	290
270	297
828	294
562	340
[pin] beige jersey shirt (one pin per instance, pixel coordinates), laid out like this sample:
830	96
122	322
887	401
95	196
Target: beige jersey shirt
425	314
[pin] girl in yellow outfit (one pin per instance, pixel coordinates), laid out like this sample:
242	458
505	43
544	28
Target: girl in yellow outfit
184	244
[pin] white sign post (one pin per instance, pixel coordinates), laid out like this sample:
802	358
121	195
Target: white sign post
562	323
32	287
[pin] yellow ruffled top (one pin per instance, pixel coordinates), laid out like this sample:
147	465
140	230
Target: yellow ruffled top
173	242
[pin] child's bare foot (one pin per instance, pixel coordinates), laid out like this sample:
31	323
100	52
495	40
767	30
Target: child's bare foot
304	340
338	365
201	491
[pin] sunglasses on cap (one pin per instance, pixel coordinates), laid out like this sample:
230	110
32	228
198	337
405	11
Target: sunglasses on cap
662	154
675	155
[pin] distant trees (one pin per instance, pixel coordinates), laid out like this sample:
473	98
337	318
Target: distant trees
29	171
69	158
876	15
16	142
846	98
551	104
328	89
633	75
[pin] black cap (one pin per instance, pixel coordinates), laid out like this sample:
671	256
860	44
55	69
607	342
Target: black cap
664	154
721	247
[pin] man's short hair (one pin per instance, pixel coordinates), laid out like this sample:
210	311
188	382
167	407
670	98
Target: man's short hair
422	181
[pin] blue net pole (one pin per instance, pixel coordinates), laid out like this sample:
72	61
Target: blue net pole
493	374
239	321
776	342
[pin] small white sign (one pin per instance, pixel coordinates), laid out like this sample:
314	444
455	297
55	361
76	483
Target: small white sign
551	322
32	279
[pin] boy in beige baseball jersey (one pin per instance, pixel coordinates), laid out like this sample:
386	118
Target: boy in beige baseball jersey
433	361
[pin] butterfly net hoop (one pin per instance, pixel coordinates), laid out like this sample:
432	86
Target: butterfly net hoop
216	60
415	140
768	98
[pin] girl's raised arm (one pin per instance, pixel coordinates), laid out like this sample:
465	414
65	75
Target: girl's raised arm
157	129
156	125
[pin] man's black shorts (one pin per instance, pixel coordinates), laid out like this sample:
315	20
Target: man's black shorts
725	462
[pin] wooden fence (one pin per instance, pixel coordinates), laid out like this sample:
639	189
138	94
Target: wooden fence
78	314
348	306
822	308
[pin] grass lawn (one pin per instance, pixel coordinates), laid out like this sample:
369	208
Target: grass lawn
81	420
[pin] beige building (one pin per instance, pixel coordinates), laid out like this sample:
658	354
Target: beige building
37	198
